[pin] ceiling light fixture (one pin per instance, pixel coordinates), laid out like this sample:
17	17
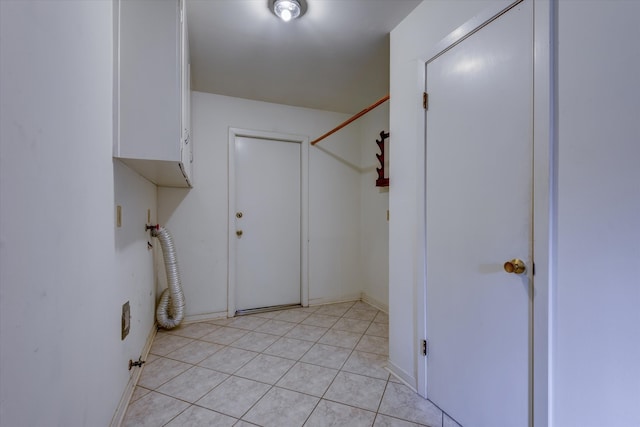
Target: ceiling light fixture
288	9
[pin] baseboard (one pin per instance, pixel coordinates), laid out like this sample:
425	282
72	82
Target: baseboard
374	302
402	375
323	301
133	381
204	317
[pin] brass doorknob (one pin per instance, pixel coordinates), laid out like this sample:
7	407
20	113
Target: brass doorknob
516	266
238	233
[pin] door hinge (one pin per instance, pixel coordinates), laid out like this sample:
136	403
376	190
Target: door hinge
425	347
425	100
533	268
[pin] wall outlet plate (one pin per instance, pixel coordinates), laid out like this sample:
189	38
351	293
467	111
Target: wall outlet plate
118	216
126	319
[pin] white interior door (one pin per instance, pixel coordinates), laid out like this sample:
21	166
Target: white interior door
478	216
267	220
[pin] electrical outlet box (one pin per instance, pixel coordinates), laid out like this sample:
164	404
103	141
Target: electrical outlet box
126	319
119	216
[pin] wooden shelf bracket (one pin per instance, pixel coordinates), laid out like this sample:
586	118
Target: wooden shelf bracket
381	181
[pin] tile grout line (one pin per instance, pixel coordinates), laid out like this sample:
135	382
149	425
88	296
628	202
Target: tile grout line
381	397
339	371
299	360
177	415
272	386
334	378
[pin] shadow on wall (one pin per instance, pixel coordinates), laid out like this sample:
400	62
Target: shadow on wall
171	199
340	159
370	169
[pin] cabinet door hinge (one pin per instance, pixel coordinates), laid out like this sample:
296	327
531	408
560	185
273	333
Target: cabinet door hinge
425	100
425	347
533	269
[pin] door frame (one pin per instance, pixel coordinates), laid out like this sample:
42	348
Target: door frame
304	210
544	238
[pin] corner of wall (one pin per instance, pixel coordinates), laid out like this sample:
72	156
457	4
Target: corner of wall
118	416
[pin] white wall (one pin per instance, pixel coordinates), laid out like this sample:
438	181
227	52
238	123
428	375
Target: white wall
374	228
411	41
596	361
197	218
60	318
134	262
64	271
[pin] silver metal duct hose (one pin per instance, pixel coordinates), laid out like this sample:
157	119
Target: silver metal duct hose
170	311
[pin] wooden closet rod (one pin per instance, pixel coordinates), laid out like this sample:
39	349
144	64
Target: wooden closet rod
356	117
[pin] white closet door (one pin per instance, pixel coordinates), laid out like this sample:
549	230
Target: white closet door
478	216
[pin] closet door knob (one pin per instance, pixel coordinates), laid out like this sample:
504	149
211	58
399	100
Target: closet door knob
516	266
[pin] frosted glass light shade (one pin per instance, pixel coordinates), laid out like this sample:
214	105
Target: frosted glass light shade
286	9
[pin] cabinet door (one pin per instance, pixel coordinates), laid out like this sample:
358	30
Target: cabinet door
149	77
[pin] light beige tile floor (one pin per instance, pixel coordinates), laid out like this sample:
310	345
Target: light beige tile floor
318	367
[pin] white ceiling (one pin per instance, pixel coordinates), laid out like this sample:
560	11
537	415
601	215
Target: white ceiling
335	57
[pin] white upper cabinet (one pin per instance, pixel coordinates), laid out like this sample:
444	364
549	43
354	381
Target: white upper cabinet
152	90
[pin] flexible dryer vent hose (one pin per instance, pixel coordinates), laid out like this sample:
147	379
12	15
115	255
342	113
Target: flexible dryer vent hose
170	311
